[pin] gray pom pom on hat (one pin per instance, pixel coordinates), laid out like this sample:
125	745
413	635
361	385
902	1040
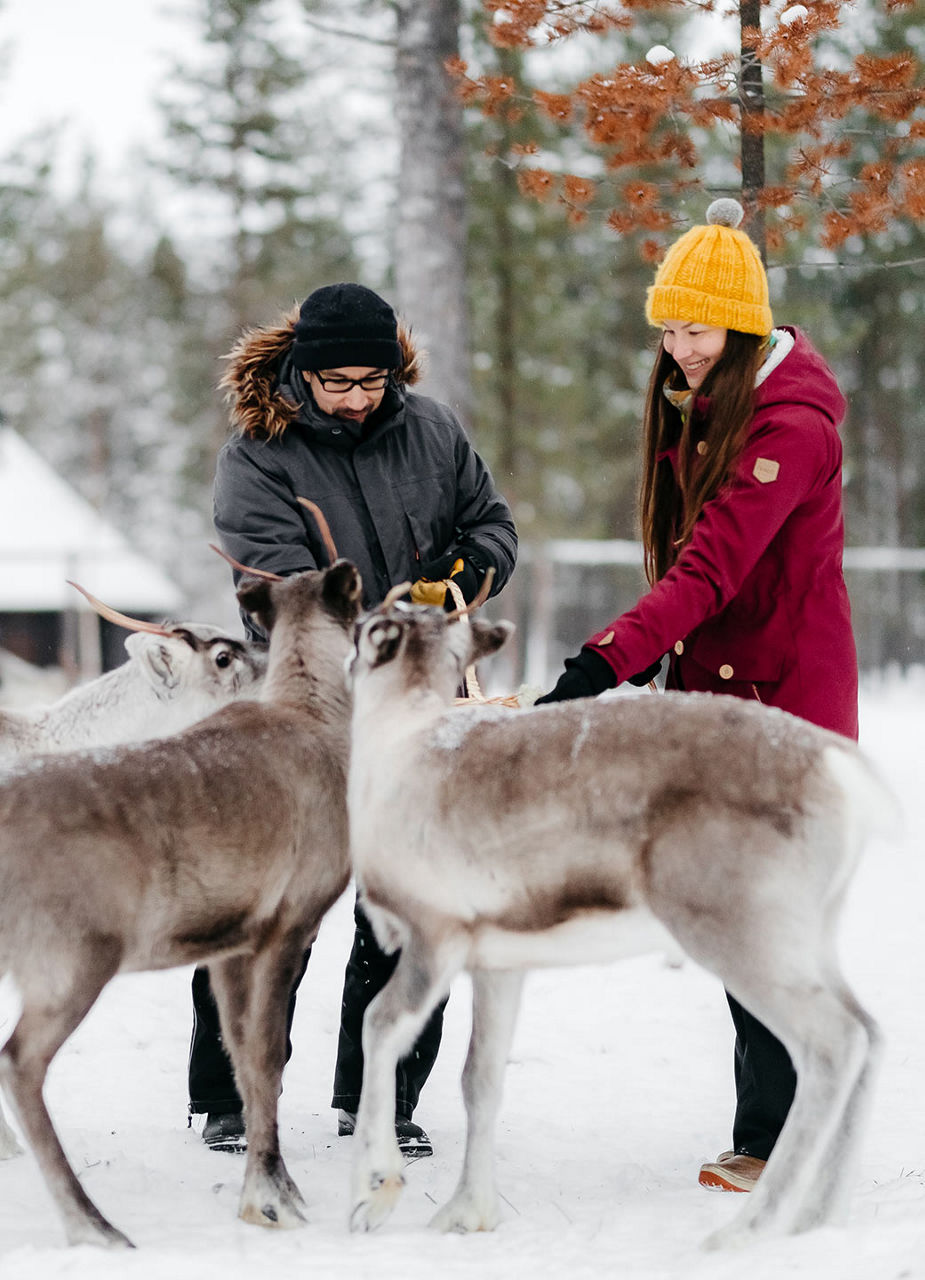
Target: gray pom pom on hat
725	212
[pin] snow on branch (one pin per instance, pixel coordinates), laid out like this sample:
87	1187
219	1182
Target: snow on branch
853	123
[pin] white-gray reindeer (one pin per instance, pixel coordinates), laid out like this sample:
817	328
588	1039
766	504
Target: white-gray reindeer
581	832
176	673
225	844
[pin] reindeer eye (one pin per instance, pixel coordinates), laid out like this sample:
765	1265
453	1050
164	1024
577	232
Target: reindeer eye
223	659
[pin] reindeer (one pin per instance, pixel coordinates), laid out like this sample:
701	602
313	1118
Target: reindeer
225	844
587	831
176	674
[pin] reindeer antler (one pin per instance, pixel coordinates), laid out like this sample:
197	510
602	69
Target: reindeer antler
323	526
120	619
236	564
395	593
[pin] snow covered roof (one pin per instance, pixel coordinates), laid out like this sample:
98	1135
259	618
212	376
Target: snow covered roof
49	533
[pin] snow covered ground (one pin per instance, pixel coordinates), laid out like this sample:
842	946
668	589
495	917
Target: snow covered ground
618	1087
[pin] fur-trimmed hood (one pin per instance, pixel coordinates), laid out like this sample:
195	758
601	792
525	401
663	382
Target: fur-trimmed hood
258	406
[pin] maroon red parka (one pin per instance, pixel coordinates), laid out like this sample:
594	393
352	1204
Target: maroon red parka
756	604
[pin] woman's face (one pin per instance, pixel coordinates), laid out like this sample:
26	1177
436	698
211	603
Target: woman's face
695	348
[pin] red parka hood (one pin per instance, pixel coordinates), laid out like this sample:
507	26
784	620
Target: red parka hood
796	374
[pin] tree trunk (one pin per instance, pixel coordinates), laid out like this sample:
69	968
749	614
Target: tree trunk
751	103
431	231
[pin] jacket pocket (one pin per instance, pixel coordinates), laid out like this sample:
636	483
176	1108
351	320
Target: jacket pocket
431	532
732	652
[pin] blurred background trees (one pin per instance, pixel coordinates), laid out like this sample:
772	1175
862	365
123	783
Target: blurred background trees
311	140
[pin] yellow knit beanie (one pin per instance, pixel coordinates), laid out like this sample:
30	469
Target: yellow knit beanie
714	276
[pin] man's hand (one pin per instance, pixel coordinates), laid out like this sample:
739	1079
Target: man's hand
429	588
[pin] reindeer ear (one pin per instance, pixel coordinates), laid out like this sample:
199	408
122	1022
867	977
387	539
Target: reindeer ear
256	596
343	589
156	657
488	637
378	640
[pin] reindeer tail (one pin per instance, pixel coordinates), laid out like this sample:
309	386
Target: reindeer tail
869	801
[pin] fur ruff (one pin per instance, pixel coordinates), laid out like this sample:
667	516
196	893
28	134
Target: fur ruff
256	406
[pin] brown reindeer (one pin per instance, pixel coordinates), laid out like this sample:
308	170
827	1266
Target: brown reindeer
584	831
225	844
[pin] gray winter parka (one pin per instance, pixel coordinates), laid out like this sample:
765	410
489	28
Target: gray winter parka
404	492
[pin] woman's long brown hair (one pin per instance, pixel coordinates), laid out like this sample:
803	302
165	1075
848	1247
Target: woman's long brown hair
670	507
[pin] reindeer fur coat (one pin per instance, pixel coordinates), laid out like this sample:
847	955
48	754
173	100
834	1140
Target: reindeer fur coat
401	489
756	604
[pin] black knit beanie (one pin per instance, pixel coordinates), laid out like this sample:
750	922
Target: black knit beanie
345	325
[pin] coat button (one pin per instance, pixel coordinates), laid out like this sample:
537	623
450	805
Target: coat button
679	647
726	672
701	447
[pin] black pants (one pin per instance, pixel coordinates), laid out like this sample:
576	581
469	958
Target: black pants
211	1078
368	970
765	1084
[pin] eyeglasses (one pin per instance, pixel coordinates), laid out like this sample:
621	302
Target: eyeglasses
334	383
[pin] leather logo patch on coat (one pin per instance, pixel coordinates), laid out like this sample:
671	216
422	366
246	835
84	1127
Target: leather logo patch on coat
765	470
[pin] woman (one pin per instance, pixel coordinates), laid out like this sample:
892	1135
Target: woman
743	536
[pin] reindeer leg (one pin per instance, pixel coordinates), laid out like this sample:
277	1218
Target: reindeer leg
39	1034
835	1164
9	1143
832	1047
835	1046
769	936
495	1001
252	993
390	1027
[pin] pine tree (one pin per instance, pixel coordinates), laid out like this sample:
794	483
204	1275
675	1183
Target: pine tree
430	241
257	149
557	300
769	76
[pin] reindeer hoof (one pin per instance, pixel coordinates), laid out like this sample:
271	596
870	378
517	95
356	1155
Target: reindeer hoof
372	1211
464	1216
285	1217
735	1235
102	1234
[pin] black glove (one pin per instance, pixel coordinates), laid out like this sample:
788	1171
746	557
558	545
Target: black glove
643	677
585	676
468	579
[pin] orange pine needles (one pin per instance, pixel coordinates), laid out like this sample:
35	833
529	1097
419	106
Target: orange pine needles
852	124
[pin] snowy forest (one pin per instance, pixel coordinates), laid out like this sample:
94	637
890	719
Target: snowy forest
479	174
507	172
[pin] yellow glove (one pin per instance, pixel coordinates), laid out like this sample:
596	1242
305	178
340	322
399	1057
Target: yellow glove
425	591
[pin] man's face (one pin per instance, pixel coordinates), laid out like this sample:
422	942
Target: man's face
352	393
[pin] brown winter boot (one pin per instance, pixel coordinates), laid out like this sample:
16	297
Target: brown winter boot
731	1172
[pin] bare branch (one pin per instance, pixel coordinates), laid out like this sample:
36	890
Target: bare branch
798	266
344	34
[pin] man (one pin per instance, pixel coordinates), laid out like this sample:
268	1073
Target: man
321	410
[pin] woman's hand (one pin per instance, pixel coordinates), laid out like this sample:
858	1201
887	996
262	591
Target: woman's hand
585	676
